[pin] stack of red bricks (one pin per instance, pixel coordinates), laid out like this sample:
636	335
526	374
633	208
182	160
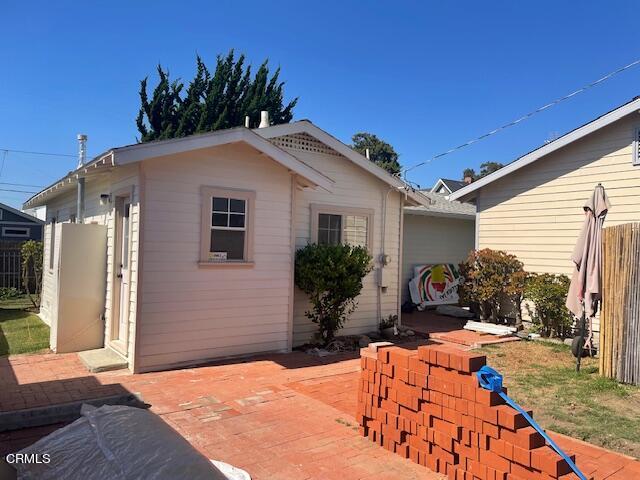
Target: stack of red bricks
428	406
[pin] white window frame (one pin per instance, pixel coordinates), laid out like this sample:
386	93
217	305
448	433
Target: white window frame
27	233
636	150
207	193
317	209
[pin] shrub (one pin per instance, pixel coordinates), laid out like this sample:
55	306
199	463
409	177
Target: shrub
32	254
548	293
7	293
332	277
488	277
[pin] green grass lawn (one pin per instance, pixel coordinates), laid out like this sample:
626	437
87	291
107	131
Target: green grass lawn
21	331
541	376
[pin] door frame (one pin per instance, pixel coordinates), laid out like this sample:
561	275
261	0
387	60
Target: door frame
119	344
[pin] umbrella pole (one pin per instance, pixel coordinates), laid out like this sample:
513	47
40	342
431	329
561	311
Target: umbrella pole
580	343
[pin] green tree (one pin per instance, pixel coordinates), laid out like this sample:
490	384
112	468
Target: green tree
332	277
32	252
212	101
486	168
380	152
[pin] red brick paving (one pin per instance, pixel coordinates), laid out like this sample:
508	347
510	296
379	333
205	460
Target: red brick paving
279	417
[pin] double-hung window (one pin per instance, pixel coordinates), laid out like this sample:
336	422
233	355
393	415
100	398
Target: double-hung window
332	225
227	226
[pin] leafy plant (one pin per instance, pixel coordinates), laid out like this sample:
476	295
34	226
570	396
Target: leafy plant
548	294
332	277
388	322
7	293
32	254
490	277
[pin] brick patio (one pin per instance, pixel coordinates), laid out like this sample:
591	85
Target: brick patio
279	417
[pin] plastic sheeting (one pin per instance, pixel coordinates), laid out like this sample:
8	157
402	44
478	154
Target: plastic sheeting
117	443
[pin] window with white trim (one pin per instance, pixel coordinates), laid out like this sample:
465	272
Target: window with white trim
636	149
332	225
16	232
52	242
226	225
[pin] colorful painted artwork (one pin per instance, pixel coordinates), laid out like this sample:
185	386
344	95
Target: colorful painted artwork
435	284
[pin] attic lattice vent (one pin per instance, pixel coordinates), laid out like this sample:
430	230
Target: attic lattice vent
304	142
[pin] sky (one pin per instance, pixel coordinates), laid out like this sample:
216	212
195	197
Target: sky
424	76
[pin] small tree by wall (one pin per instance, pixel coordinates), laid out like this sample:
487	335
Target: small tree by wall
489	276
32	257
549	313
332	277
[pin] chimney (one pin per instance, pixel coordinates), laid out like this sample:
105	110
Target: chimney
468	180
264	119
82	159
82	149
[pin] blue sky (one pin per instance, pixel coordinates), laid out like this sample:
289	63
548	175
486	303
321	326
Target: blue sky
425	76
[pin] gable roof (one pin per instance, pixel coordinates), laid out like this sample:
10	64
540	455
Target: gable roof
439	206
142	151
15	211
608	118
450	185
305	126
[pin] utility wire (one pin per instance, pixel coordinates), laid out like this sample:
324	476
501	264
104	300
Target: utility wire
20	185
524	117
17	191
39	153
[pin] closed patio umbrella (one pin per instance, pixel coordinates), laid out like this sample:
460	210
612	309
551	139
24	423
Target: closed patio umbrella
585	289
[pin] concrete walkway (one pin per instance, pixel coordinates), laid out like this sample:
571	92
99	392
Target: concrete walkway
279	417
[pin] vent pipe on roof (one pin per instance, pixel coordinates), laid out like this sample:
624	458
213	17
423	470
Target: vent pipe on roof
264	119
246	121
82	159
366	153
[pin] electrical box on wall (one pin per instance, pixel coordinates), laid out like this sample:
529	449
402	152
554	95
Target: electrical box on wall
382	277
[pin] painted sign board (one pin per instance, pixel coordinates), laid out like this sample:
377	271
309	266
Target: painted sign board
435	284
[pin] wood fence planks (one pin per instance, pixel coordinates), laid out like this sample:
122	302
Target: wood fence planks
620	315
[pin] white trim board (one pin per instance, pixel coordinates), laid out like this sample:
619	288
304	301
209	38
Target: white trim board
466	193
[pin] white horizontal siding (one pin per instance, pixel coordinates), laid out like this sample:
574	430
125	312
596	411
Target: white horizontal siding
353	188
536	212
191	314
429	240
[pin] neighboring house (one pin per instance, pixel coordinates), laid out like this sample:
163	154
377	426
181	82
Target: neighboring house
17	226
445	186
441	232
200	235
533	207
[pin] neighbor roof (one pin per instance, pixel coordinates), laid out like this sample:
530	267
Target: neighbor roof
305	126
142	151
15	211
439	206
451	185
608	118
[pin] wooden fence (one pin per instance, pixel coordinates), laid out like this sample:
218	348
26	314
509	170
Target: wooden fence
620	316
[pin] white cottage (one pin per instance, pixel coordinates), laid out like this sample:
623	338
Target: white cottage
183	250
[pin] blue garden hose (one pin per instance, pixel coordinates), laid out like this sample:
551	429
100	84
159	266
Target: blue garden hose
491	380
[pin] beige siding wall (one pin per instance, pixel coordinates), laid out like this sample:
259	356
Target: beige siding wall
353	188
535	212
63	207
191	313
433	240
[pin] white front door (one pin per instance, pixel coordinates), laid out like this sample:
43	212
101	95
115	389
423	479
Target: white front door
121	265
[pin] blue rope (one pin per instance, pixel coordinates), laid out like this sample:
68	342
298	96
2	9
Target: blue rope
491	380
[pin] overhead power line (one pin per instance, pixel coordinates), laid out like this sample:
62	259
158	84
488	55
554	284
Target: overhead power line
38	153
21	185
524	117
17	191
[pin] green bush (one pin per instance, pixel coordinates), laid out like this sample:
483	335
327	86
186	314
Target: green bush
332	277
489	277
7	293
548	294
32	253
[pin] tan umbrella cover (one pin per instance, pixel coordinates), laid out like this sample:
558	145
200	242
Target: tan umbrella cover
587	257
